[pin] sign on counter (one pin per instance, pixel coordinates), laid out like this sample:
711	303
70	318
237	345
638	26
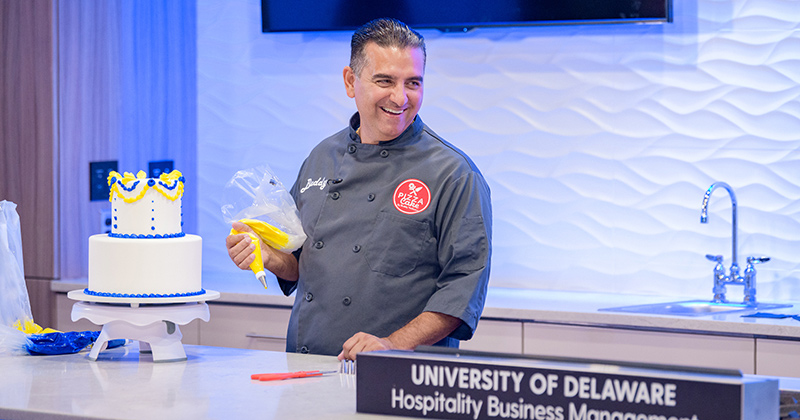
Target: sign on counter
459	386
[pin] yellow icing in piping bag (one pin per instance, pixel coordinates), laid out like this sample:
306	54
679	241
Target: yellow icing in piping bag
258	264
271	236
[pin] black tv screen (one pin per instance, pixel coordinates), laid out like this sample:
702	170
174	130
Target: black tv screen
455	15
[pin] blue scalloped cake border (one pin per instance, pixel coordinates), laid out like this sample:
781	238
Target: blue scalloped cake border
143	236
142	295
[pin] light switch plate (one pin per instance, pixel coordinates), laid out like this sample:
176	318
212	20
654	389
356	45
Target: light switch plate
98	179
157	167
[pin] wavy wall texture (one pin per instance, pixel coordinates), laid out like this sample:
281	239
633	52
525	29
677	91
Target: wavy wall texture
598	141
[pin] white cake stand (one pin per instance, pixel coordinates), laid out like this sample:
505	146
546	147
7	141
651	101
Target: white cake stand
155	327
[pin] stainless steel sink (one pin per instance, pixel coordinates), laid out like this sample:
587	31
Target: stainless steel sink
695	308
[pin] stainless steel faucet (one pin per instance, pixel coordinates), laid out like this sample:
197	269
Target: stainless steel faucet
733	277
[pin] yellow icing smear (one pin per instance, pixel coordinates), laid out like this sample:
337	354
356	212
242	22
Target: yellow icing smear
169	185
30	327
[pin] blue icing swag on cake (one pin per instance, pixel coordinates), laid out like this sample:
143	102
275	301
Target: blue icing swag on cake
146	208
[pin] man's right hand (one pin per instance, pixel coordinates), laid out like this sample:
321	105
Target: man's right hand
241	247
241	251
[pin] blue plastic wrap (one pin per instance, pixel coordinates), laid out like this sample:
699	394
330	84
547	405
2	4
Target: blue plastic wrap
64	342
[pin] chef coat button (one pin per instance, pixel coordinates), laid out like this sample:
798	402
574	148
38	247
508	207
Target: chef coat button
309	297
356	248
346	301
370	197
319	244
384	153
304	350
351	148
335	195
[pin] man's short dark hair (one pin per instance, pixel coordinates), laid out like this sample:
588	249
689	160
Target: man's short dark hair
386	32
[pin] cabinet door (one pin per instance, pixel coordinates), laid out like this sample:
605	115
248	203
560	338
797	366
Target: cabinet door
246	327
777	357
640	346
496	336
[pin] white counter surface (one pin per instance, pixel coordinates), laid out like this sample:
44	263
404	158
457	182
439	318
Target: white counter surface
214	383
546	306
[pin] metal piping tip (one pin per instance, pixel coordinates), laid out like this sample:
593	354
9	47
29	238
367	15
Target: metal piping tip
262	277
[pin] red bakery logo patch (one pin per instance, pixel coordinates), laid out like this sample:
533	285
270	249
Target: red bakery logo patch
412	196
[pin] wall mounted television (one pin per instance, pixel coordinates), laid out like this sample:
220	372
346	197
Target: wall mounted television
456	15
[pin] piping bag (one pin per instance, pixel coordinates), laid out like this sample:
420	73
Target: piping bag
271	236
258	199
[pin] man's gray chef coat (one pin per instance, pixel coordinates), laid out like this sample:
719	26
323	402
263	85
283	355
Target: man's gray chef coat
394	229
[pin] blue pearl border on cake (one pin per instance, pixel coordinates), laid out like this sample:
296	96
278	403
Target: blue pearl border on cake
143	236
150	182
142	295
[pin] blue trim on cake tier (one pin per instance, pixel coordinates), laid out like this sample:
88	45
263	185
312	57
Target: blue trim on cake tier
133	186
142	295
174	184
143	236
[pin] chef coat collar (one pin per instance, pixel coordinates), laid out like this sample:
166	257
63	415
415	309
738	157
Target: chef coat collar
412	131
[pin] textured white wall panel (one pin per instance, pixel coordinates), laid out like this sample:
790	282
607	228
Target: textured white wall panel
598	141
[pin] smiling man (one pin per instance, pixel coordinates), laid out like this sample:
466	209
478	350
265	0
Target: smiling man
386	82
399	231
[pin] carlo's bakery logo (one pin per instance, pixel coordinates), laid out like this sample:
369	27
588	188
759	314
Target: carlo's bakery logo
412	196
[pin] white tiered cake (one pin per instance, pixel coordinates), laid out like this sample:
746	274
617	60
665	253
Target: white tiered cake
147	254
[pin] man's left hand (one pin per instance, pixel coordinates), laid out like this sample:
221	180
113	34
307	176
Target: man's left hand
427	328
363	342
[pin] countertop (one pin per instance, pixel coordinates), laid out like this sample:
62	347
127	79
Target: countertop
545	306
214	383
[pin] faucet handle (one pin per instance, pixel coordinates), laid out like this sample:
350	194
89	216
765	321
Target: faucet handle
757	260
716	258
